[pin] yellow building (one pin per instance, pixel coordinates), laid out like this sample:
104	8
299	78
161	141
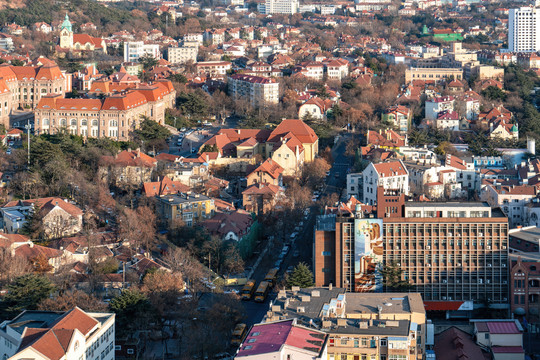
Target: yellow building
190	208
432	74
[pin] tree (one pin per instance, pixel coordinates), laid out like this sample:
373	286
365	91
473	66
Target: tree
151	134
132	309
108	266
68	301
11	266
301	276
315	172
26	292
132	227
180	260
193	104
148	61
40	264
393	279
493	93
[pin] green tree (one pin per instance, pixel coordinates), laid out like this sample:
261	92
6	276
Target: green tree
301	276
493	93
179	78
148	61
131	304
393	278
194	104
151	134
26	292
17	62
209	148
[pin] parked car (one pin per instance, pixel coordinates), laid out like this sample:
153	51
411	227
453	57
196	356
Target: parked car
296	254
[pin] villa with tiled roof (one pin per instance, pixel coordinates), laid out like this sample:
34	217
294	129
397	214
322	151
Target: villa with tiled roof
49	335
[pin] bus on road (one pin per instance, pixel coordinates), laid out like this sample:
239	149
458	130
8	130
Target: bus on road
248	290
239	334
271	277
262	291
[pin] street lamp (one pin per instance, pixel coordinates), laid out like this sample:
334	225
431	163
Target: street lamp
28	127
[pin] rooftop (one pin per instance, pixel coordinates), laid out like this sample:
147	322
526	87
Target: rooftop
183	198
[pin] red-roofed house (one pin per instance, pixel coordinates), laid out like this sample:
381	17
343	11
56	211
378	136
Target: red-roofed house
400	116
391	175
315	108
129	167
283	340
261	198
47	335
387	139
455	344
503	337
269	172
164	187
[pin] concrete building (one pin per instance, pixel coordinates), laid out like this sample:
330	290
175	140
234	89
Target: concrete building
189	208
287	7
45	335
524	29
213	68
389	175
182	54
504	338
513	201
258	90
432	74
448	251
133	50
359	326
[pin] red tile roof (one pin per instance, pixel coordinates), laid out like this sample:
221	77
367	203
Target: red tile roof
270	167
387	138
391	168
502	327
297	127
130	158
164	187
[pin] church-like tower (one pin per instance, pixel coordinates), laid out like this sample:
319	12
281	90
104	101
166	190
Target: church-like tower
66	34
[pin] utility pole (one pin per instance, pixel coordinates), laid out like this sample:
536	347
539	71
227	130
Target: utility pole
27	127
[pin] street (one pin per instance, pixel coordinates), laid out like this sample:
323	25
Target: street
304	242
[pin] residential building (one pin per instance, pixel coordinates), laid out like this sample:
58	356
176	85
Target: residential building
386	139
389	175
337	69
269	172
311	69
133	50
438	105
512	200
524	29
59	218
182	54
257	90
452	253
127	168
359	325
114	116
283	339
187	207
42	335
164	186
504	338
261	198
315	108
287	7
399	116
213	69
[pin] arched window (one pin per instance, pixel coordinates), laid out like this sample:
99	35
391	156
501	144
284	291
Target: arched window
84	122
45	122
73	122
94	123
113	123
63	122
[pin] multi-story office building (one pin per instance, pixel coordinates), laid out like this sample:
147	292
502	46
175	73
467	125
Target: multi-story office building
359	326
182	54
133	50
258	90
524	29
288	7
43	335
447	251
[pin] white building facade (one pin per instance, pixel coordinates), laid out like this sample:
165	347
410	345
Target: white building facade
524	29
133	50
391	175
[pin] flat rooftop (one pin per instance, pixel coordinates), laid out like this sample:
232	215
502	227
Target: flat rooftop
529	233
447	204
390	303
182	198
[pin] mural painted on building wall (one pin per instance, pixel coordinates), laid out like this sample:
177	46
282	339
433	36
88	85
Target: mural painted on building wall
368	251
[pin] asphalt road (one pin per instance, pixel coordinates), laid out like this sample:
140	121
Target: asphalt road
335	183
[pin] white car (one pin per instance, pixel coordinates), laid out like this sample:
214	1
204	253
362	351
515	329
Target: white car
293	235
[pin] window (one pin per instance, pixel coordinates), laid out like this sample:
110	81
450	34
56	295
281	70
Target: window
326	253
384	342
486	336
130	351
